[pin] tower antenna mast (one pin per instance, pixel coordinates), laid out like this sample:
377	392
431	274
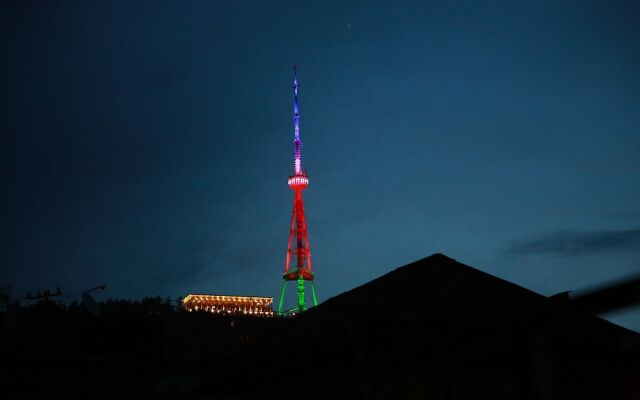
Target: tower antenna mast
296	125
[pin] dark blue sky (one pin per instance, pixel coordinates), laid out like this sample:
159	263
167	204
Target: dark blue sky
146	145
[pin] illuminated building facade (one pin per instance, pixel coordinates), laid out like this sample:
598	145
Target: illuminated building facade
229	305
297	267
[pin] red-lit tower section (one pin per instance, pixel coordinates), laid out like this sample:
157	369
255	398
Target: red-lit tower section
298	267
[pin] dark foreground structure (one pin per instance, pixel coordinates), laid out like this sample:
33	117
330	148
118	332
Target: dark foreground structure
438	329
433	329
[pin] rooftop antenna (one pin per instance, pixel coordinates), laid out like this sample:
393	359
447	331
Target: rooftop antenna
90	303
46	294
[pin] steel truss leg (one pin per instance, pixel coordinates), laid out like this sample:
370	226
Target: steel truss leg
284	286
313	292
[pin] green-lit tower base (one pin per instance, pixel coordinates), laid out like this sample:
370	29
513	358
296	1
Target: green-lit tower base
301	297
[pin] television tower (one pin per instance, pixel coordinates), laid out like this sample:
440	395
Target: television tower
298	265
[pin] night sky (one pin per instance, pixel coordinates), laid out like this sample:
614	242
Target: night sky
146	145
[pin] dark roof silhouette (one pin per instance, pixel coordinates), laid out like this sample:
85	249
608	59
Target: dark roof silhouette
439	329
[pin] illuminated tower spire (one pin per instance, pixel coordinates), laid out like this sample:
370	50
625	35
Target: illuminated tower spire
298	263
296	125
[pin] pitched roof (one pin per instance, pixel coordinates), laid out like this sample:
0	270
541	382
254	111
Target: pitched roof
438	325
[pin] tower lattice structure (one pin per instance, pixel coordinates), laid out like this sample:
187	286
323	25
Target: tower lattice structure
298	266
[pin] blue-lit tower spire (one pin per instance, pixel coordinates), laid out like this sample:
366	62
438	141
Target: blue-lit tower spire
296	125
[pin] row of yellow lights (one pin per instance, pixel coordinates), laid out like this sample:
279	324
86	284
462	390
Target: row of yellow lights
200	306
217	310
204	297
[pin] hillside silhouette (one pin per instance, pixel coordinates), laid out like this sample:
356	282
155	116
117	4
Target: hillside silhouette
435	329
439	329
